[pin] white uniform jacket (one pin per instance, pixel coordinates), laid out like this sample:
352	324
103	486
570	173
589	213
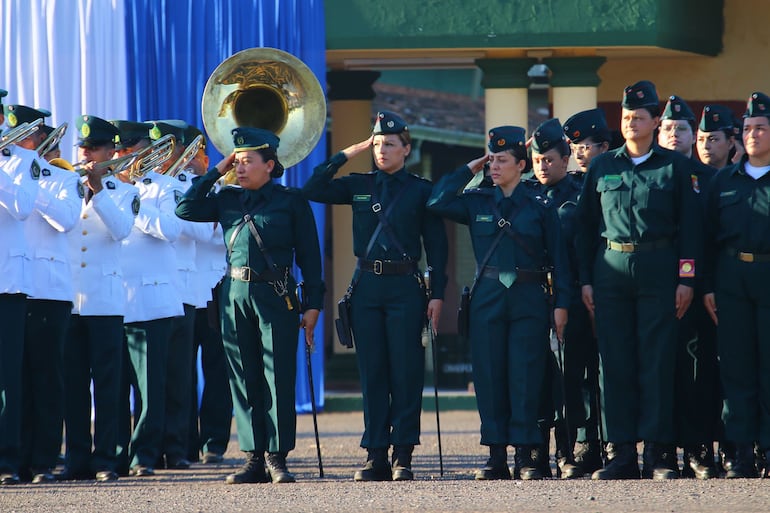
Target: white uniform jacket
186	245
56	212
95	248
19	177
148	259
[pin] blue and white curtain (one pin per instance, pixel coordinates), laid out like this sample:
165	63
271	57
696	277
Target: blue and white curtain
150	59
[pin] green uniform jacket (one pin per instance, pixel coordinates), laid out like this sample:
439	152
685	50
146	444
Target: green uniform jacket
409	219
647	203
284	220
536	223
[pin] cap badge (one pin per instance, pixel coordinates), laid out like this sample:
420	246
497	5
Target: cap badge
85	130
390	124
501	142
240	140
155	133
12	121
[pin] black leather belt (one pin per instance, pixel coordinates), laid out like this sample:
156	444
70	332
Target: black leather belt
748	257
634	247
248	274
387	266
522	275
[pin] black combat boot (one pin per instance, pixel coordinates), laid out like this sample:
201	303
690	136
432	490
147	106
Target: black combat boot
402	463
566	468
376	467
252	471
743	465
276	468
726	455
659	462
622	463
526	464
699	462
588	456
497	465
766	471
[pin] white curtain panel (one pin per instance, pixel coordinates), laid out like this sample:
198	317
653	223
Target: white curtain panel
66	56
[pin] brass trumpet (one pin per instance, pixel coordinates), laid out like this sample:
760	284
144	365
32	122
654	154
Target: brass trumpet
186	157
53	139
19	133
152	156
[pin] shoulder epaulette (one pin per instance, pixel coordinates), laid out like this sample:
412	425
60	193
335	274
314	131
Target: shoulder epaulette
479	190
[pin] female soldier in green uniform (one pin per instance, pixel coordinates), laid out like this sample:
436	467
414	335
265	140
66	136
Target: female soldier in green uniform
266	227
516	238
388	305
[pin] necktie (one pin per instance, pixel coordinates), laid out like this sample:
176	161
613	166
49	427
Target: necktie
385	190
506	264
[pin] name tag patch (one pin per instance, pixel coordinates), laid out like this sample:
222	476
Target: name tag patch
483	218
362	197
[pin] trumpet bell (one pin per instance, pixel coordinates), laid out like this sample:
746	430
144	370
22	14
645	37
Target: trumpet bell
270	89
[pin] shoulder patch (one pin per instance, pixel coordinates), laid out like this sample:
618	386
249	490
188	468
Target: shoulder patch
6	152
110	185
135	205
81	190
543	200
178	196
147	181
34	170
46	172
182	177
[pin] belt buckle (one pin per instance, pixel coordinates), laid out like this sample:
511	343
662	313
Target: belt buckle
746	257
376	207
245	273
627	247
503	222
377	267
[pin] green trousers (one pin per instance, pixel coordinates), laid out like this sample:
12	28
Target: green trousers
178	386
388	314
13	308
743	334
260	338
509	350
634	295
148	350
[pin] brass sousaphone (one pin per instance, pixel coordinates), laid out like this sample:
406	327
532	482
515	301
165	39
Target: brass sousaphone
265	88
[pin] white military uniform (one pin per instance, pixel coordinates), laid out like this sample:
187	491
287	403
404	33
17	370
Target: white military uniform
96	248
49	306
19	176
148	259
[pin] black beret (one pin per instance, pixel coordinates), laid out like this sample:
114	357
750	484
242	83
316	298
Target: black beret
716	117
503	138
757	105
547	135
389	123
639	95
247	138
676	109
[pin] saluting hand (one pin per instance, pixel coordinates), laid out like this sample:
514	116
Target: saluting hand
683	299
477	165
354	149
226	164
308	322
434	312
710	302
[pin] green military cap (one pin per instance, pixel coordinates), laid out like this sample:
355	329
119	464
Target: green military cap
130	132
15	115
503	138
190	133
93	131
588	123
547	136
165	127
676	109
389	123
715	118
639	95
757	105
247	138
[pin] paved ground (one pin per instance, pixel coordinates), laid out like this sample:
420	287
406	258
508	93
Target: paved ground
202	489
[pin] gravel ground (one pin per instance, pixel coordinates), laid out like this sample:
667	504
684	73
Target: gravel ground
202	488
